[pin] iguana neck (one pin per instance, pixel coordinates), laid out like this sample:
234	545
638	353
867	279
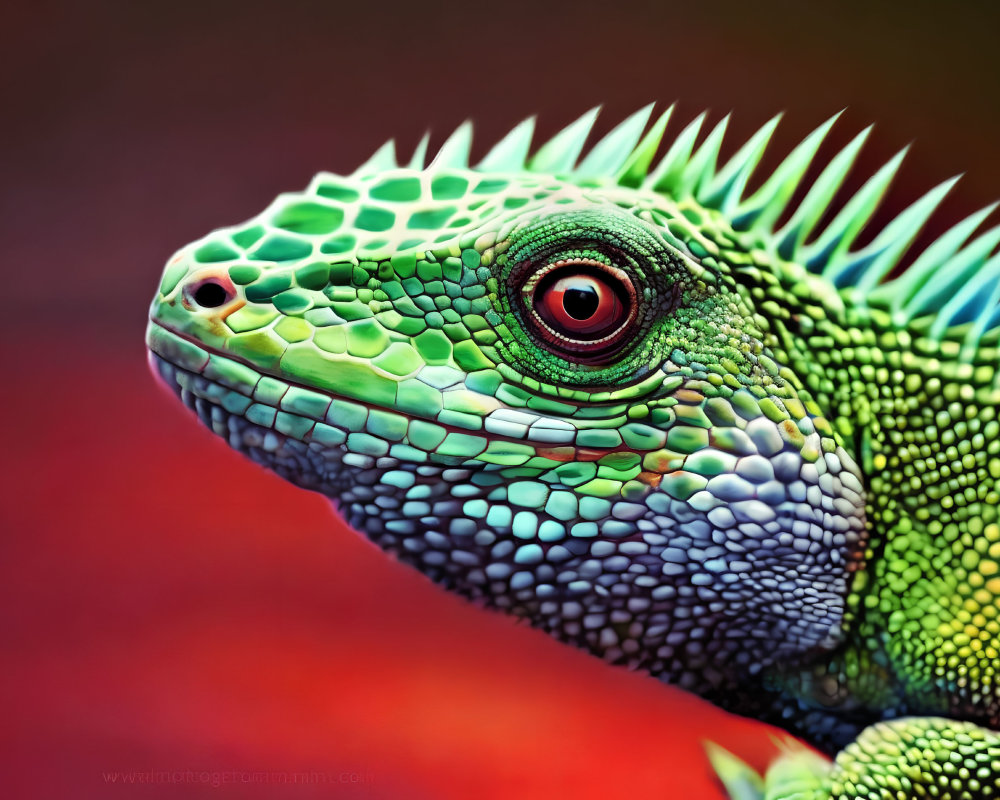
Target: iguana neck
923	617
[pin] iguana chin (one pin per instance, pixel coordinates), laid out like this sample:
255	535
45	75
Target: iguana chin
682	425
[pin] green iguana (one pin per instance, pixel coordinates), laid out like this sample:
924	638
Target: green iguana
683	425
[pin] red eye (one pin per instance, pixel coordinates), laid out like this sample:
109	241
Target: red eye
580	306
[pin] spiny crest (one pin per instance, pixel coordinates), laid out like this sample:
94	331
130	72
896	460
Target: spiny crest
954	282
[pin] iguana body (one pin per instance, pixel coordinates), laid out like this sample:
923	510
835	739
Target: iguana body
680	425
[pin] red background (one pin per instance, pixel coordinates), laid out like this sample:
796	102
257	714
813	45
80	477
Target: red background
165	605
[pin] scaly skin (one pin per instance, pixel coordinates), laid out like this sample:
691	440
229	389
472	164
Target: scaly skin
757	470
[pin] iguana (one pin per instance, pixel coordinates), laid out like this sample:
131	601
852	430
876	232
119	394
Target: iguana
686	426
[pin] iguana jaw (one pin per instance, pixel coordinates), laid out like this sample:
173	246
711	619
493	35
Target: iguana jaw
376	483
211	383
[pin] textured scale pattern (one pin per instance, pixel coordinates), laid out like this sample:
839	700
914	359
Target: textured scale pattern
774	485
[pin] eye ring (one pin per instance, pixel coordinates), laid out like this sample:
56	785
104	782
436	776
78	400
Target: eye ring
580	306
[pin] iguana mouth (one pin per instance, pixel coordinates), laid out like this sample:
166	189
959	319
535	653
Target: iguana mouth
546	436
216	407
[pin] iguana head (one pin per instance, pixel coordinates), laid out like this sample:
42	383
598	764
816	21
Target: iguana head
597	395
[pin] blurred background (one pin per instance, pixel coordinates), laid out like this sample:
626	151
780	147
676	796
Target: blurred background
166	606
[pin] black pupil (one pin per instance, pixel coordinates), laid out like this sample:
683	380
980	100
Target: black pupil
210	295
581	302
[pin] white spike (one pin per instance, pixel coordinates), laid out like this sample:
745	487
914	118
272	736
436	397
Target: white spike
666	175
455	151
382	159
762	209
511	152
559	154
726	186
608	155
419	158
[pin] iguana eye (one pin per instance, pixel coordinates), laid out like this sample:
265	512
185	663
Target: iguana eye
580	305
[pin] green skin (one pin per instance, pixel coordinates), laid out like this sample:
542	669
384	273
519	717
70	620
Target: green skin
773	492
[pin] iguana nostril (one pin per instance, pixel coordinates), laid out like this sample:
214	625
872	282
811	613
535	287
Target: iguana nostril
211	294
